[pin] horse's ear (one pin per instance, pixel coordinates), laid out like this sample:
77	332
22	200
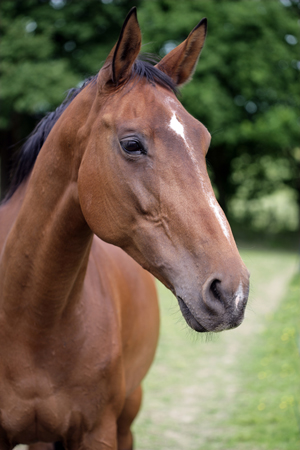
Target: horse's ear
118	64
181	62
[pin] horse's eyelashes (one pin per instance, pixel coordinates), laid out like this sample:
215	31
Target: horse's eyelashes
132	146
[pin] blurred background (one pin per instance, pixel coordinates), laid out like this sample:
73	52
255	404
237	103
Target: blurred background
245	90
242	390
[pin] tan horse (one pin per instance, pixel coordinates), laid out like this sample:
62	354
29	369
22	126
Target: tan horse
124	164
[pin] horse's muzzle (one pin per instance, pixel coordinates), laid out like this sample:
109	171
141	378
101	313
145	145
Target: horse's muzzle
217	308
190	319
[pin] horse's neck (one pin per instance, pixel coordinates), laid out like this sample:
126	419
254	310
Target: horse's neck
45	255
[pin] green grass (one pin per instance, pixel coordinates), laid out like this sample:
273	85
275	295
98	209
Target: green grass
269	404
235	390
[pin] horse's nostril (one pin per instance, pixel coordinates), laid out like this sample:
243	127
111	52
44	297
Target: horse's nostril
213	296
215	289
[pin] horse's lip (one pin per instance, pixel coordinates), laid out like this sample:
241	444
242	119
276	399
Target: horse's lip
189	317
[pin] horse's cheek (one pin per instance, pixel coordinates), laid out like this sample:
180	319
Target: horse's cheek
97	207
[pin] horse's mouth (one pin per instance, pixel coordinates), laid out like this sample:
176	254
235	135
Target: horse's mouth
189	317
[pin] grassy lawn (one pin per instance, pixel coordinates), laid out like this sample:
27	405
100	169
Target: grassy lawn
236	390
268	415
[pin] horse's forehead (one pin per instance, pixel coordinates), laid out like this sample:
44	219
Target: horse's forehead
143	100
157	107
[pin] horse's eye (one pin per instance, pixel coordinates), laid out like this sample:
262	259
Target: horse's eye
133	147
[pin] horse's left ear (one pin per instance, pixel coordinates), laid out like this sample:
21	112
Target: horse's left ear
118	64
181	62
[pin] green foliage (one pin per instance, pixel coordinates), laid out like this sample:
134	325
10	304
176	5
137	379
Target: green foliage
49	47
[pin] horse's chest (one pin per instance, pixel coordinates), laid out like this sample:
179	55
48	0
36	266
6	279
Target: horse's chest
37	409
26	419
47	397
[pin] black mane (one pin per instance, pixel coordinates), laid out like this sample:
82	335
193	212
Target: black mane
30	150
145	69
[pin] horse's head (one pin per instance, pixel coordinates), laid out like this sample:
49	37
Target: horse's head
143	182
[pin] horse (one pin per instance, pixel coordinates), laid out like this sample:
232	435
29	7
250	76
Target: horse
111	190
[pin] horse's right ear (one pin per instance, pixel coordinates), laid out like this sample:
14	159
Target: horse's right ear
118	65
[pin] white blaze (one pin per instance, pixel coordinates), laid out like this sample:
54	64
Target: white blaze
177	126
239	294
